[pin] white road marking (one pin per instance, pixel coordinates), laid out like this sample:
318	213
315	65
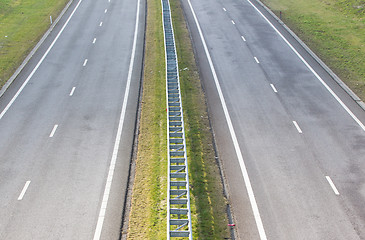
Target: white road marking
72	91
233	22
332	185
256	60
106	10
312	70
273	88
53	131
224	9
24	190
94	40
243	38
297	126
251	195
39	63
101	24
99	225
85	62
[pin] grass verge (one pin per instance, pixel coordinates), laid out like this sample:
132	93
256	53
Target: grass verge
22	24
148	204
334	30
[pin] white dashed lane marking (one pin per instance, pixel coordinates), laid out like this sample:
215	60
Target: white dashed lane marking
72	91
332	185
273	88
24	190
297	127
53	131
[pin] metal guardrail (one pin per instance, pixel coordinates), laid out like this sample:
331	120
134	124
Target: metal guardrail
178	202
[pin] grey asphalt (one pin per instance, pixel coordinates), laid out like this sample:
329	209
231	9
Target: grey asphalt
69	170
287	168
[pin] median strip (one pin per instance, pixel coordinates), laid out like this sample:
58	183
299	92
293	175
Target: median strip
148	213
178	192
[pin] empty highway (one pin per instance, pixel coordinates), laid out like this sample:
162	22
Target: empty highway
291	141
67	126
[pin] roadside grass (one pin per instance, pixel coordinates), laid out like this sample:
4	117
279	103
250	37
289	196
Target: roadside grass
22	24
147	218
148	204
334	30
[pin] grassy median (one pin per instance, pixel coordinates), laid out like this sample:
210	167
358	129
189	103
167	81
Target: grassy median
22	24
334	30
148	204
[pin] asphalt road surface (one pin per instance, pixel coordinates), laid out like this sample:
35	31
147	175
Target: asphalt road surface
291	141
67	126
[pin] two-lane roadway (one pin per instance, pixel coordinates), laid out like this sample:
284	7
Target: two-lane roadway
291	141
67	126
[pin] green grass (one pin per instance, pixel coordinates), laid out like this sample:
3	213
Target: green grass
148	204
334	30
22	24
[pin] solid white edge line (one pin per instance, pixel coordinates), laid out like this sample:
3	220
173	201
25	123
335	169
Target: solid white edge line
273	88
72	91
332	185
297	127
256	60
312	70
243	38
108	183
53	131
85	62
39	63
251	195
24	190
